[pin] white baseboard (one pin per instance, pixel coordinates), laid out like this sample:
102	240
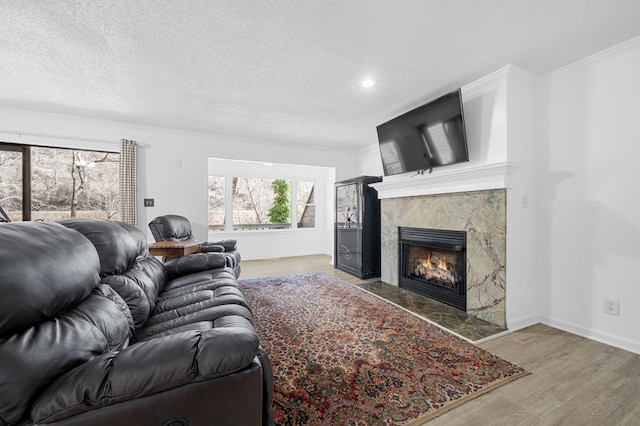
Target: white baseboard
270	256
599	336
522	322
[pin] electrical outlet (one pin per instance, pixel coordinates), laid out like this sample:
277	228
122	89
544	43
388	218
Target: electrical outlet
611	307
148	202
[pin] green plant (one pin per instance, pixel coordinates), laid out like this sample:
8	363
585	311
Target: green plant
280	212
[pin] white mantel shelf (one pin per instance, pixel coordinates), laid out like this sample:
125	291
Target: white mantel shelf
443	181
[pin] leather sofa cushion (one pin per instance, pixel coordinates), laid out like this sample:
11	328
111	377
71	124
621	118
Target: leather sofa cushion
117	249
139	287
199	281
197	262
173	319
227	245
183	305
149	275
38	279
33	358
139	236
195	326
133	296
147	368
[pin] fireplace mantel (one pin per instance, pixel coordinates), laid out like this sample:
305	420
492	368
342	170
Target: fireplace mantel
443	181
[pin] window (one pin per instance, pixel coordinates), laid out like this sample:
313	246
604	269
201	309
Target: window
305	204
10	183
59	183
260	203
245	196
217	209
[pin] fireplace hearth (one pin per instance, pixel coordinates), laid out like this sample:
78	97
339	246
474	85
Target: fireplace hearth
433	263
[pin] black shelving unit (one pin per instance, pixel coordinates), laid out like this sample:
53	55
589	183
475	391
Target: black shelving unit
357	227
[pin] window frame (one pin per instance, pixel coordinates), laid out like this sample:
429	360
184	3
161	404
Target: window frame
229	225
230	169
25	149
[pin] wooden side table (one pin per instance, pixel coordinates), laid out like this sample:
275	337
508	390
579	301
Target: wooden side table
174	248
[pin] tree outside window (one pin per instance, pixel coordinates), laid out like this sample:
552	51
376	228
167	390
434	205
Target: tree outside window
252	199
280	211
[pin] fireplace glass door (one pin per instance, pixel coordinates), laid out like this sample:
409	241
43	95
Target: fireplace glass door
433	263
437	266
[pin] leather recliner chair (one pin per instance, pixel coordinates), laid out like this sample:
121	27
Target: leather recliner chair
172	227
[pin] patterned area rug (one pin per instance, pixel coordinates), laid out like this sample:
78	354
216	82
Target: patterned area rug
342	356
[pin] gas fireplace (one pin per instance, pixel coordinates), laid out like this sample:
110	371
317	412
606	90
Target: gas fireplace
433	262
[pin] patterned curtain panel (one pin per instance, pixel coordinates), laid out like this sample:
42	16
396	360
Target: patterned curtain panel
129	181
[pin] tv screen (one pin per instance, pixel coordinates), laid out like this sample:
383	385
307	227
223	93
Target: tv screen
431	135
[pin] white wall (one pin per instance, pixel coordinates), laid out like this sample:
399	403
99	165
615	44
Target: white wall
589	207
485	118
173	164
369	160
522	265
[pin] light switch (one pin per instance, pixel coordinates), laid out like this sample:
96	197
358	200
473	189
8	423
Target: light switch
148	202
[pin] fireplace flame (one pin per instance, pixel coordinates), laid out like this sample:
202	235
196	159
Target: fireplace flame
443	265
427	263
433	266
433	269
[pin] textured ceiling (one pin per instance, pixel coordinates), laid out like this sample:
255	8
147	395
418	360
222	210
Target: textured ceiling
283	70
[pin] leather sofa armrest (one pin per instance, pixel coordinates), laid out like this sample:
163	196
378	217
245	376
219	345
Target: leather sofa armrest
147	368
229	245
210	248
192	263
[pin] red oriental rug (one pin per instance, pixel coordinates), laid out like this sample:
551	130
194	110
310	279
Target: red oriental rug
343	356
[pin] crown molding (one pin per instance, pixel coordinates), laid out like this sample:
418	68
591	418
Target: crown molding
601	56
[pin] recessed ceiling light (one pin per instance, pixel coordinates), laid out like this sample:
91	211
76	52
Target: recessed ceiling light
367	83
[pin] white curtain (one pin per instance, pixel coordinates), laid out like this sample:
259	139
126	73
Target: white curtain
129	181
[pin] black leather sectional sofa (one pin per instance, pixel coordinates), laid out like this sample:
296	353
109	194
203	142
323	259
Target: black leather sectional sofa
94	331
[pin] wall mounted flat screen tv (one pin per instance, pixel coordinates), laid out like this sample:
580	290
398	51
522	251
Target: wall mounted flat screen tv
429	136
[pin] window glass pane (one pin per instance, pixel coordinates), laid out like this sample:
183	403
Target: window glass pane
261	203
305	204
216	203
73	183
11	186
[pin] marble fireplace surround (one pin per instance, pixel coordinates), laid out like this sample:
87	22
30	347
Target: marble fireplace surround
482	214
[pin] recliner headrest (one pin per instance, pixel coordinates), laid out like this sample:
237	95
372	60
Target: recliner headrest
118	248
44	269
171	227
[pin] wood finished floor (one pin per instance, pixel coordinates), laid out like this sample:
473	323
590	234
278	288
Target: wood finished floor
574	380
